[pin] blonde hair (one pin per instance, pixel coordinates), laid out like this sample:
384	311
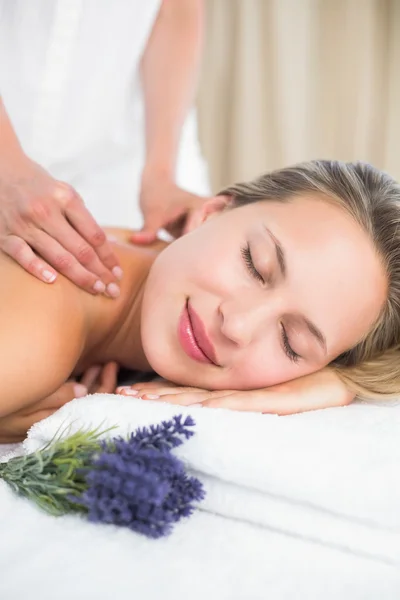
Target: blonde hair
372	198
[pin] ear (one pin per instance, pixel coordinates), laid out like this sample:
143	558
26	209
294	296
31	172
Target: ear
210	208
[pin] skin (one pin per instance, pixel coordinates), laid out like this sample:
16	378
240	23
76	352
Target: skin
44	225
334	277
169	73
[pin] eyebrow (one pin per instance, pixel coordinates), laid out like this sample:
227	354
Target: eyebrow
280	254
317	333
280	257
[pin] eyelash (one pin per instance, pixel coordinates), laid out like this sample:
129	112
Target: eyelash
246	254
290	353
248	260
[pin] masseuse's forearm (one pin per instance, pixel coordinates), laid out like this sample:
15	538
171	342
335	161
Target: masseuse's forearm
170	69
9	143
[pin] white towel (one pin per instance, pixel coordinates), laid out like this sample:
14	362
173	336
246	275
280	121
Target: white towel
331	476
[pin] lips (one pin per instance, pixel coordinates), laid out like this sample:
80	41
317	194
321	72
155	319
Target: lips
193	337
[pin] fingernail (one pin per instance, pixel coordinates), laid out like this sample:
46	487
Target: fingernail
113	290
48	276
150	397
80	390
117	272
126	391
164	236
99	287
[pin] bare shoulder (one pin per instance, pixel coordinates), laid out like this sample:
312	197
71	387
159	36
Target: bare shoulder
42	335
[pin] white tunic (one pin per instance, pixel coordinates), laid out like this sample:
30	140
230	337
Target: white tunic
69	80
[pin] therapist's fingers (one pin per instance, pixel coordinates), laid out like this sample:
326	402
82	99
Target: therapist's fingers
65	263
193	220
143	237
86	226
74	245
22	253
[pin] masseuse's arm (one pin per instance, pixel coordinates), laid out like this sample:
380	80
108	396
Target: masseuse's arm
322	389
44	225
170	71
42	332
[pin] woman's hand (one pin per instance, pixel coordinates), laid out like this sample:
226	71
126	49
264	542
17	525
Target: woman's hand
164	206
100	379
46	228
13	428
312	392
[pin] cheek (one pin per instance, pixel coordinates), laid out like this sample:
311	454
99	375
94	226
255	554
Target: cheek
258	371
199	263
263	366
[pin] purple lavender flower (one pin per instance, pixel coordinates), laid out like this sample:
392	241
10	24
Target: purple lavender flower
163	437
138	483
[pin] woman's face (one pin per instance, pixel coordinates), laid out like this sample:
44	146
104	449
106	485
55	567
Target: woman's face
260	294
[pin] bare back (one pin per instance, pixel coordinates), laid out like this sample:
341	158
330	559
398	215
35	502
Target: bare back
45	329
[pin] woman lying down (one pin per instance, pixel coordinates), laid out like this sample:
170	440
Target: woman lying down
290	282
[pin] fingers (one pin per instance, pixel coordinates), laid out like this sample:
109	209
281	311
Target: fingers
89	378
101	379
22	253
262	401
180	396
79	248
14	428
66	264
190	397
275	402
85	225
67	392
143	237
155	387
193	220
157	384
76	258
108	378
54	223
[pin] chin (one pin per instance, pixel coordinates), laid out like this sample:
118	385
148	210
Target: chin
168	364
159	354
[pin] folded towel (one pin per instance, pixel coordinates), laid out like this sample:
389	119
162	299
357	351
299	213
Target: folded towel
331	476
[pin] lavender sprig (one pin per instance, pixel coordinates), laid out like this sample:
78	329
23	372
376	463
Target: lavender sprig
136	483
164	437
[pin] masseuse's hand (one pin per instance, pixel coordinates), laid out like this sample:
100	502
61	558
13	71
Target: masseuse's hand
45	227
98	379
312	392
164	206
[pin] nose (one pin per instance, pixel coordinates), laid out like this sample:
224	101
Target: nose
242	320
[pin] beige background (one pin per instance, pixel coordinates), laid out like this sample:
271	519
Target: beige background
290	80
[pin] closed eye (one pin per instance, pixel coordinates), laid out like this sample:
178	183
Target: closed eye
248	260
290	353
